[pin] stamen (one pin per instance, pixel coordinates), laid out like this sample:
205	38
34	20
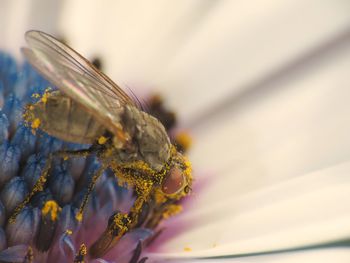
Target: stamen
62	186
51	208
48	144
47	228
24	229
25	140
9	165
67	220
13	110
4	124
13	193
33	169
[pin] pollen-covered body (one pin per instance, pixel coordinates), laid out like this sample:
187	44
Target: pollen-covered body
142	161
90	108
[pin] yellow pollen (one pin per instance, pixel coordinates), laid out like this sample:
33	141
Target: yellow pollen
187	249
102	140
159	197
36	123
51	207
83	250
46	95
79	217
30	255
172	210
44	98
79	258
184	139
119	222
69	232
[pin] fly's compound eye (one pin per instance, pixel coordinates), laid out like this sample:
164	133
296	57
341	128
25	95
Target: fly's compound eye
174	182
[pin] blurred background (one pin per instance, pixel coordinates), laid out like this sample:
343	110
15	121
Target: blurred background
221	46
263	86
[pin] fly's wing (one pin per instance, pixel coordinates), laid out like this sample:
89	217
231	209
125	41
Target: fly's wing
77	78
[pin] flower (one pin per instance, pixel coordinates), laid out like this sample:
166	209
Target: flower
46	229
264	88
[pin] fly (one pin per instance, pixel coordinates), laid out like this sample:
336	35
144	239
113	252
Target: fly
90	108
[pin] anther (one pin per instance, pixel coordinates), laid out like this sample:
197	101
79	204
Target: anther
49	218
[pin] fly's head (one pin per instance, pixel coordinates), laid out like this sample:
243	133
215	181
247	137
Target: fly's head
178	179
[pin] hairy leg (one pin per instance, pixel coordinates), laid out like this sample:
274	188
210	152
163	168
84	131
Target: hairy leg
40	183
120	223
96	176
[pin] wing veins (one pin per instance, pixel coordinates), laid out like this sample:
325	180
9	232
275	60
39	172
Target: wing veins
84	72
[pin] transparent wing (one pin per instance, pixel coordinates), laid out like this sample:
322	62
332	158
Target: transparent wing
77	78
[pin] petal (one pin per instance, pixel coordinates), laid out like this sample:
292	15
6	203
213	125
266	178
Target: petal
277	165
127	244
199	53
326	255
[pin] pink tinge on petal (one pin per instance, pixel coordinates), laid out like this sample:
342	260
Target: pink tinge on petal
127	244
100	260
63	250
174	226
91	229
169	229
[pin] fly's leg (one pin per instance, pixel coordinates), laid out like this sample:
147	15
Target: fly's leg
119	223
97	175
40	183
38	186
163	211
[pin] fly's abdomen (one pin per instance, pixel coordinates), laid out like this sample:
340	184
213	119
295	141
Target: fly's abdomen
62	117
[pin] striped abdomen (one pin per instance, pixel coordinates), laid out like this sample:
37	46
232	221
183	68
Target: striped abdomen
61	117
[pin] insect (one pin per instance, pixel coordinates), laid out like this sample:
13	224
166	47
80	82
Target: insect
90	108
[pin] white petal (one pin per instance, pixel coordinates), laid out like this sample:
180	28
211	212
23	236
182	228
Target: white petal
339	255
302	211
200	52
278	167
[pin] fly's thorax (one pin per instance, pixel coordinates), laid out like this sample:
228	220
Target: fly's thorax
148	136
62	117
